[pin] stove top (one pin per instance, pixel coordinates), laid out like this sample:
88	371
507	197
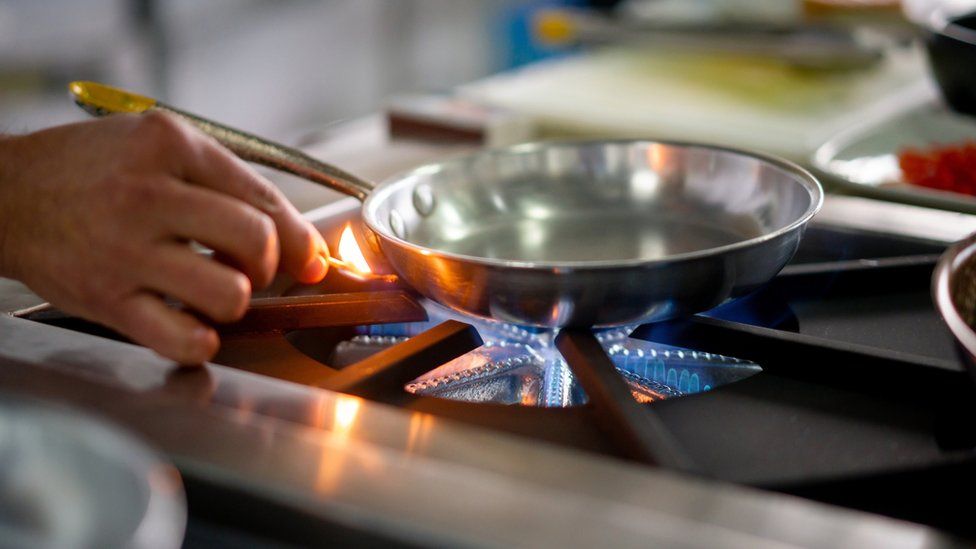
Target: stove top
363	415
521	366
836	382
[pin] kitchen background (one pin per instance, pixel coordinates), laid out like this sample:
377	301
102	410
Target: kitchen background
281	67
290	69
274	67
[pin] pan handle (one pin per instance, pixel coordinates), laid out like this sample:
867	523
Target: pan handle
99	100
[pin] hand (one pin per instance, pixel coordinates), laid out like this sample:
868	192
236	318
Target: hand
96	217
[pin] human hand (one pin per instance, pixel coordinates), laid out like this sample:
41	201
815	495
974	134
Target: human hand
96	217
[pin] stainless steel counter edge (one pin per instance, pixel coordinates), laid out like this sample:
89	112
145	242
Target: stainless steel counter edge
408	474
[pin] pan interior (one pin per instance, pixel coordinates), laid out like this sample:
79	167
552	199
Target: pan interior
591	202
584	235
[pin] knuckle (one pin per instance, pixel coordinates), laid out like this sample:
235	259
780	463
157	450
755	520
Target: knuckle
161	132
159	125
264	195
261	234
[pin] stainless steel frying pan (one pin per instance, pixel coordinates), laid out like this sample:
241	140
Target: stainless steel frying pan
561	234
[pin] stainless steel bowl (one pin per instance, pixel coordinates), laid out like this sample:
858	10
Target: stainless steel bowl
69	480
954	293
592	233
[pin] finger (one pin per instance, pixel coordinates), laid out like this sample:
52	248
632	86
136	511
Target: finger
174	334
200	283
214	167
305	256
229	226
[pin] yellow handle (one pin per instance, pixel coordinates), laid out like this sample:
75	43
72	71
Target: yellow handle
99	99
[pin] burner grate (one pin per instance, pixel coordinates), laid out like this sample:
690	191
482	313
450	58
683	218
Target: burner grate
519	365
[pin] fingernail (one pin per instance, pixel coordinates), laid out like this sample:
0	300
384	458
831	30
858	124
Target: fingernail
314	270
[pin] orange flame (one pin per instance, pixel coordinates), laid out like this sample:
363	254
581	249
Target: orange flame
350	252
350	261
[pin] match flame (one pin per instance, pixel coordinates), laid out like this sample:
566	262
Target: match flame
350	261
350	252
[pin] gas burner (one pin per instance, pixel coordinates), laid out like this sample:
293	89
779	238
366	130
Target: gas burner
518	365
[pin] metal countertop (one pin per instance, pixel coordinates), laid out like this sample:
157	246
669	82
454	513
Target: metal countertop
405	474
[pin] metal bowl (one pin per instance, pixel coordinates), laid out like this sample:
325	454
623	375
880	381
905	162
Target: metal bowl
954	293
592	233
67	480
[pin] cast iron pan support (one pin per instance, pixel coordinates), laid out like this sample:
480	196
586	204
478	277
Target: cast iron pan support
635	428
388	371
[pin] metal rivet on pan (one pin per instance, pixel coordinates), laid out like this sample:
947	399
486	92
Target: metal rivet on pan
397	225
423	200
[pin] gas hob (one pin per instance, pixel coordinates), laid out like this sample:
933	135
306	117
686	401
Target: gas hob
835	383
826	410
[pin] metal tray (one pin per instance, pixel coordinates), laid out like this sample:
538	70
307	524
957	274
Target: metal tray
71	480
863	159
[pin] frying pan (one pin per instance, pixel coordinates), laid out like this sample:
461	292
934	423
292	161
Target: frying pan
557	234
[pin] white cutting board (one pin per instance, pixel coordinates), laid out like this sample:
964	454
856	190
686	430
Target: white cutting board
751	103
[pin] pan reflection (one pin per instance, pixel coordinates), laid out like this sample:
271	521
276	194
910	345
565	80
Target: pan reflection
332	463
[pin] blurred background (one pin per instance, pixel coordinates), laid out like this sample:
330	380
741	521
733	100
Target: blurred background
274	67
783	76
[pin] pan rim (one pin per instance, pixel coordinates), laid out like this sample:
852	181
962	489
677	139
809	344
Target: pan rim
803	177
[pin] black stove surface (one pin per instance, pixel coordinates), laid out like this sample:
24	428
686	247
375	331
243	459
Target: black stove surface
861	401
